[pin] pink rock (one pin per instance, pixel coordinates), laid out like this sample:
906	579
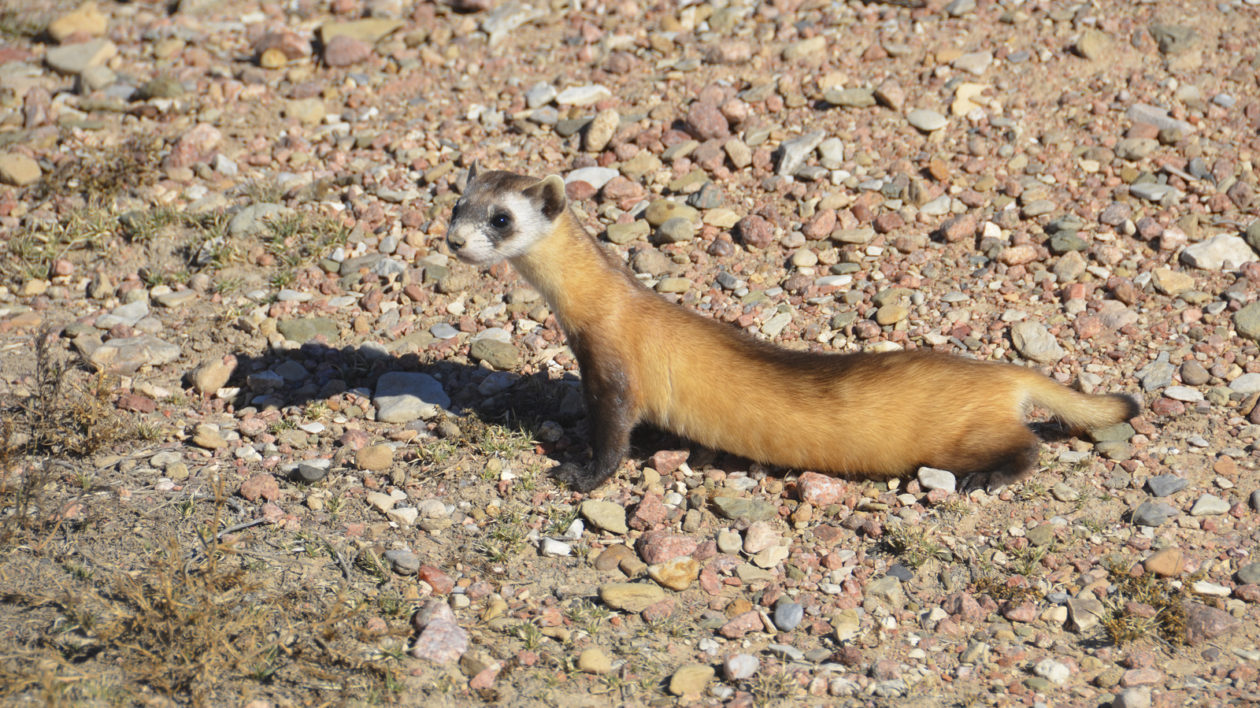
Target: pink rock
271	513
740	625
194	146
959	227
1018	255
289	43
1204	623
260	486
820	490
755	231
1247	593
963	606
666	461
659	611
344	50
1024	612
821	225
706	122
441	639
650	513
1141	677
485	678
661	546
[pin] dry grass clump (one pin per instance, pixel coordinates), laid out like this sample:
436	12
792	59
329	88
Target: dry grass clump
1169	601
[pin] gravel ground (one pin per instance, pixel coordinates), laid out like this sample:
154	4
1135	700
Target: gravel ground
290	421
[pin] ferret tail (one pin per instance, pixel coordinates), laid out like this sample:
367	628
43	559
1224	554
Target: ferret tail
1079	411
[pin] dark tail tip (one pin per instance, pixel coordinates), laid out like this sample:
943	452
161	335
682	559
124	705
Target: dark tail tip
1131	406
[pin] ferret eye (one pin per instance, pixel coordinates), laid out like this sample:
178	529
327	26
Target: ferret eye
500	220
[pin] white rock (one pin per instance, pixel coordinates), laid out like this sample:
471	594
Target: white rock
1052	671
1221	252
932	478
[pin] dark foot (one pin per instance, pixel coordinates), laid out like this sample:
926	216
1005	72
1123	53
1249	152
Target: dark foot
991	481
577	478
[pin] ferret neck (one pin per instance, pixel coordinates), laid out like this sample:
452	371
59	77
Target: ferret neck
571	272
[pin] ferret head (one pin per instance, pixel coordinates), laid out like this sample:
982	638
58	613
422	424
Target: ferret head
502	215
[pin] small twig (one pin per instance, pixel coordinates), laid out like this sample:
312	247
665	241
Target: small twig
341	561
238	527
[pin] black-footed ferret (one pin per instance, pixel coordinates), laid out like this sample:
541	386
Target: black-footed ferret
644	358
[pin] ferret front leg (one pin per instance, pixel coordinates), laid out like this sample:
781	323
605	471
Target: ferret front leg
612	414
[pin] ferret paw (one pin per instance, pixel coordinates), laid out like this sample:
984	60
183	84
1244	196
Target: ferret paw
576	478
991	481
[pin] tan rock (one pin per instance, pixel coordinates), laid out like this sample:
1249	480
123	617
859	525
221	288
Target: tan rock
18	170
690	681
594	661
631	597
84	20
213	375
374	458
677	574
1169	562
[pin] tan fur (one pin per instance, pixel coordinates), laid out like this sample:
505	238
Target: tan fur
867	415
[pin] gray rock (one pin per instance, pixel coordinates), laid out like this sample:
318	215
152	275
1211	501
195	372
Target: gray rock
1085	613
1204	623
305	329
1221	252
1033	341
605	515
1174	39
787	615
932	478
1157	374
505	18
77	58
676	230
1120	432
128	354
540	94
1164	485
403	562
1153	513
1249	574
742	509
622	234
1252	235
958	8
1154	192
128	315
1135	697
1193	373
1053	671
887	590
1255	500
597	177
1247	321
794	152
926	119
501	355
1158	117
403	396
1246	384
312	471
831	153
444	330
1210	505
1136	148
1183	393
252	220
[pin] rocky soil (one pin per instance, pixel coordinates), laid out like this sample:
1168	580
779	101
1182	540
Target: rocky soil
266	443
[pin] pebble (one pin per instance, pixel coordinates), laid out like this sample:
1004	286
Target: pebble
740	666
208	436
1247	321
690	681
312	471
1164	485
404	562
1153	513
555	548
1249	574
932	478
441	640
594	661
1136	697
499	355
76	58
597	177
127	315
743	509
677	574
787	615
1053	671
1168	562
631	597
1204	623
305	329
1210	505
1246	384
676	230
1221	252
1033	341
926	119
374	458
605	515
850	97
601	129
252	220
582	95
402	397
1183	393
126	355
1154	192
540	94
794	152
19	170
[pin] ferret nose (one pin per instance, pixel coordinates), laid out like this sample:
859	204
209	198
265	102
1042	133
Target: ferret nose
456	239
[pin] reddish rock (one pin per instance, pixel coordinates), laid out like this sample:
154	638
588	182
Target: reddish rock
485	678
619	188
754	231
1024	612
706	122
889	221
650	513
1204	623
288	43
742	624
344	50
1141	677
820	490
1018	255
959	227
441	639
578	190
260	486
658	611
1248	593
137	403
438	580
963	606
821	225
194	146
660	546
666	461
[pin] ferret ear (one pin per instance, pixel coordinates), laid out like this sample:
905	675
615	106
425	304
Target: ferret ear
472	171
549	193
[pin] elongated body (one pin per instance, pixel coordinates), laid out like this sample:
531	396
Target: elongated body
643	358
